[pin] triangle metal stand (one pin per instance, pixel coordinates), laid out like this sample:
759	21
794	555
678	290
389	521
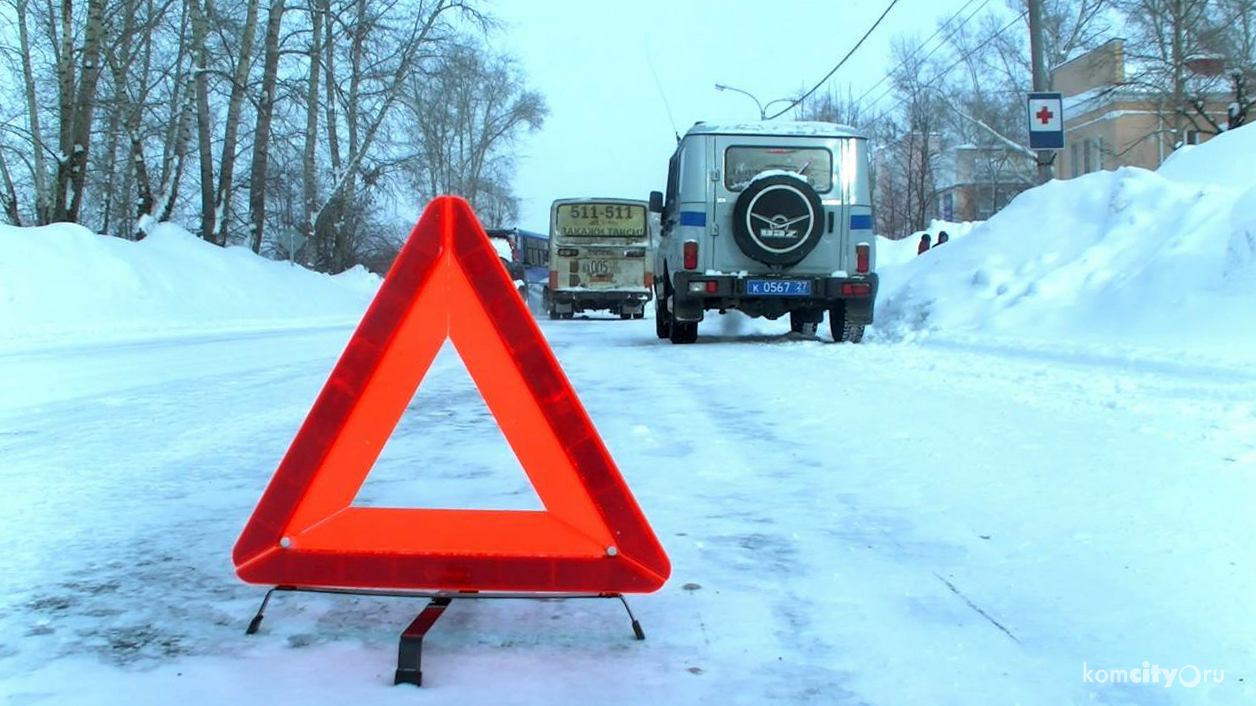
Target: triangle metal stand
410	648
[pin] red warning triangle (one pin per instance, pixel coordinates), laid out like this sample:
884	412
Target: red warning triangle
448	282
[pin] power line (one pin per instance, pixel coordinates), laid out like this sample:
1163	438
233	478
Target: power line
890	89
839	64
916	51
968	54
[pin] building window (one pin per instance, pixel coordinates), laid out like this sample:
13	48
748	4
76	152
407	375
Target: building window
1099	153
1086	155
1192	137
1074	162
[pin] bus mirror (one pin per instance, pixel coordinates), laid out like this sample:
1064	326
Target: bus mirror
656	202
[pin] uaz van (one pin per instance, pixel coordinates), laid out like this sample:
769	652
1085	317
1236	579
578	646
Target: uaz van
768	218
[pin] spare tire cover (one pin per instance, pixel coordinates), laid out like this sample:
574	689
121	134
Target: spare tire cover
778	219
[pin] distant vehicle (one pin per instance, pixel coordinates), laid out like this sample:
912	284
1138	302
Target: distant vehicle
599	251
768	219
526	257
505	242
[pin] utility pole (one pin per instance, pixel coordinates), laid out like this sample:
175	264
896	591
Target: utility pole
1039	63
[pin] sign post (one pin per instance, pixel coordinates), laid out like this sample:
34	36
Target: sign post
1046	121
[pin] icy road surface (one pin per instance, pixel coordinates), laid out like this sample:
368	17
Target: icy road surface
950	522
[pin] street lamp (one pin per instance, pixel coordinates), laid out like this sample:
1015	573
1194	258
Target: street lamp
762	108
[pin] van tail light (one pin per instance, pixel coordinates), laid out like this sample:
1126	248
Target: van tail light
553	279
691	254
649	281
863	255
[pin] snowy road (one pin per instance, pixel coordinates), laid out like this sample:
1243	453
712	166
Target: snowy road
953	522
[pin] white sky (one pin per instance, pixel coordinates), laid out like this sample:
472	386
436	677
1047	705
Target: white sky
608	133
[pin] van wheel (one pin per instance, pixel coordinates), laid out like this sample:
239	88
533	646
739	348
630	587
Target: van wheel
639	315
625	316
662	317
843	331
568	314
553	315
684	331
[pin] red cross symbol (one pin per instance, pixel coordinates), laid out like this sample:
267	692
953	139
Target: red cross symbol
1044	115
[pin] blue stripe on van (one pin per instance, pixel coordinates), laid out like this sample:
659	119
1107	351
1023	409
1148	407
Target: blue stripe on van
862	222
693	218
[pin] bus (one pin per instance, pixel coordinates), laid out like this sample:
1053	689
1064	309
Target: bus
599	257
526	257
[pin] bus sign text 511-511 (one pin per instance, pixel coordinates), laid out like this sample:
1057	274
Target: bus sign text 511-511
779	287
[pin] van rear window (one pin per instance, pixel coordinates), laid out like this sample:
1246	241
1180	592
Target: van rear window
741	164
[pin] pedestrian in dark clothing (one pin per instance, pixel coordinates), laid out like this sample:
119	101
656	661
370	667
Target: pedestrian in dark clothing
924	244
943	237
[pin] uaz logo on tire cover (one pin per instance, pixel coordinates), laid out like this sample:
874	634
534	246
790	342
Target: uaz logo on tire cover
792	209
776	219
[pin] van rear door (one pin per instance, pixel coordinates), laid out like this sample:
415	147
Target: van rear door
739	158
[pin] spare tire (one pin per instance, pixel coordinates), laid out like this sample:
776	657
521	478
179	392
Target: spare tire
778	219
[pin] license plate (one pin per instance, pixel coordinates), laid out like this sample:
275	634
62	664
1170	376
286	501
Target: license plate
779	287
598	268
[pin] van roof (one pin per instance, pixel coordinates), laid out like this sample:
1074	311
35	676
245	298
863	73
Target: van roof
768	127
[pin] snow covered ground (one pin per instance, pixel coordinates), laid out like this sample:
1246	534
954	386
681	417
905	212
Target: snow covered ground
1037	469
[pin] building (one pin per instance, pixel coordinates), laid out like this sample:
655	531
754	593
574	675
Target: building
974	182
1110	121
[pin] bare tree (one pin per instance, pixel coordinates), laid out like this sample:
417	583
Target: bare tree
226	173
333	242
39	169
261	135
126	90
308	167
8	197
1166	37
200	81
831	107
77	108
467	113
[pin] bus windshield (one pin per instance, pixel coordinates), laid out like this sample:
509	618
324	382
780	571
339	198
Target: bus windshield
615	220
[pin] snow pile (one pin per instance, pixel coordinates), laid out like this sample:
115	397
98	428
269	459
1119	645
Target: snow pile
1222	161
897	252
1130	256
63	282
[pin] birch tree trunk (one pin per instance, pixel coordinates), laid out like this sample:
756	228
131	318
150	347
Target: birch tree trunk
40	169
76	135
311	140
200	28
227	167
9	198
261	136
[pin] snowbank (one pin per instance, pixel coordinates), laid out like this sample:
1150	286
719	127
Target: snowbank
1130	256
1222	161
63	283
897	252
